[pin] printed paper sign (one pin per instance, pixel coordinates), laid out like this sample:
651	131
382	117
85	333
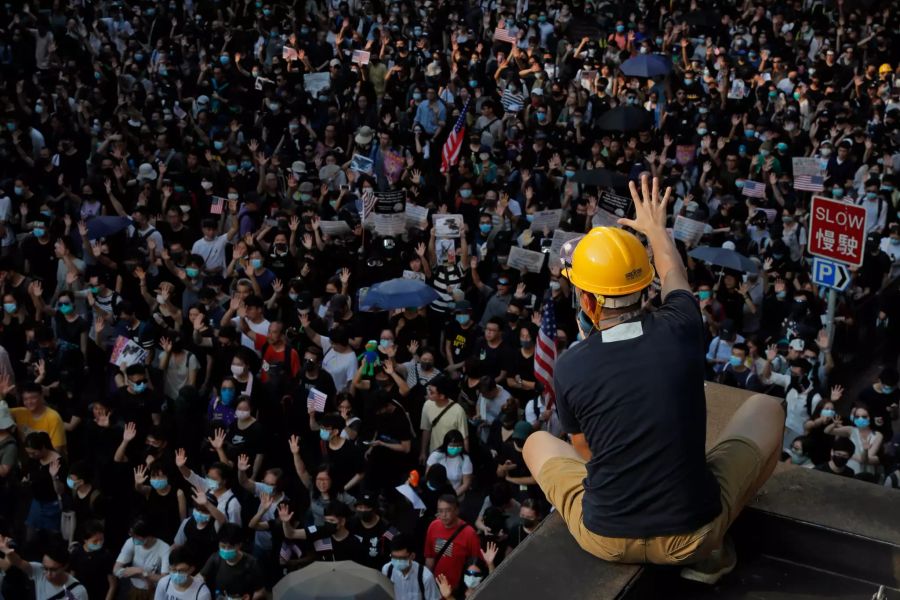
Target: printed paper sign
529	260
315	400
361	164
360	57
621	206
738	90
407	274
334	228
546	219
288	53
178	112
316	82
442	249
127	352
684	154
390	202
389	225
447	226
688	231
416	216
393	165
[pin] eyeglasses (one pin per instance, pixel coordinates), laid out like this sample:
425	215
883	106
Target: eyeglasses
474	573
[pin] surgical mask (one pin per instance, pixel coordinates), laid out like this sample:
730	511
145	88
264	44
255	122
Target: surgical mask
139	386
454	450
417	96
555	285
871	195
462	319
265	488
825	152
796	95
763	152
179	578
246	165
324	435
734	361
526	344
781	147
472	581
861	422
702	131
200	517
256	263
93	547
38	108
232	168
233	196
137	542
227	395
227	553
237	370
688	81
704	294
224	59
206	185
484	228
473	83
828	413
749	133
541	116
65	308
38	232
70	483
401	564
570	173
192	272
465	193
159	484
242	414
211	484
10	307
837	193
620	28
796	457
887	389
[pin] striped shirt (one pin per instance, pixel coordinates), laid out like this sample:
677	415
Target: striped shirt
447	278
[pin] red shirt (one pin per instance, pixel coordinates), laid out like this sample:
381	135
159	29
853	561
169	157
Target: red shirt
273	356
463	547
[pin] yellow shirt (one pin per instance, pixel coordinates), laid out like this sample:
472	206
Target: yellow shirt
50	422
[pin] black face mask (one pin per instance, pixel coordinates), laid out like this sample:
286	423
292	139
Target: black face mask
529	523
839	461
310	365
365	515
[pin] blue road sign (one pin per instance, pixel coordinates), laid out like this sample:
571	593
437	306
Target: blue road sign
831	274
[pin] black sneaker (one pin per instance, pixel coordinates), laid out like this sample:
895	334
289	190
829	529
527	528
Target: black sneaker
712	568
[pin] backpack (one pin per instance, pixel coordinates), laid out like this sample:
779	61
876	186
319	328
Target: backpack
421	579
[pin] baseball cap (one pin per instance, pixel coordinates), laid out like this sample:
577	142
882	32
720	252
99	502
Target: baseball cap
522	430
369	500
462	306
726	331
797	344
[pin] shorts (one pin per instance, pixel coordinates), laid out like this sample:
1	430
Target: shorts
736	463
44	516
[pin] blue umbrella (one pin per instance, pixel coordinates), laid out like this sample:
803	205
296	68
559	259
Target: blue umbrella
723	257
100	227
398	293
646	65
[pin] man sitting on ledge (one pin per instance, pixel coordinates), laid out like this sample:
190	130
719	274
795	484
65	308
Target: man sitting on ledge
636	485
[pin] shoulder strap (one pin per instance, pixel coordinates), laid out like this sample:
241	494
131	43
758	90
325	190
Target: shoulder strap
390	571
449	541
65	592
422	581
442	413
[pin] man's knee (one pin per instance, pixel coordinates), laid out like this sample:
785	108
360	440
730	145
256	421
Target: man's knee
767	407
537	450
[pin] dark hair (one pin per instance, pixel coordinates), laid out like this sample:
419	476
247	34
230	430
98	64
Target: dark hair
57	551
338	509
843	444
38	440
500	494
30	387
92	527
231	534
332	421
182	555
889	376
450	499
401	542
742	347
141	527
451	437
533	505
226	472
137	369
80	469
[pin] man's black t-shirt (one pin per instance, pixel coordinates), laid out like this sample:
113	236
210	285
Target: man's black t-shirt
92	570
374	546
648	474
244	577
345	463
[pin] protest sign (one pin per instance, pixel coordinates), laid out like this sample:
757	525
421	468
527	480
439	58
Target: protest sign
361	164
416	216
546	219
315	400
688	231
620	206
334	228
314	83
126	353
360	57
389	224
390	202
447	226
529	260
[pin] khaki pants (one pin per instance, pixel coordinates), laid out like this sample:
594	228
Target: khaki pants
735	462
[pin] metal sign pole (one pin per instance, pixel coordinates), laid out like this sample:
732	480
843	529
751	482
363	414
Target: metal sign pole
829	322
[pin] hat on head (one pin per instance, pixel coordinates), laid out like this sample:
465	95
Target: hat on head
306	186
726	330
146	172
522	430
298	167
797	344
334	63
369	500
462	306
364	135
537	91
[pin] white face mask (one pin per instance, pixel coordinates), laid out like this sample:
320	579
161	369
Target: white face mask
471	581
242	414
237	370
206	185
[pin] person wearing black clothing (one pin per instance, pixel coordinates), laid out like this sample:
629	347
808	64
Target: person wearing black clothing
231	568
841	451
198	533
332	541
369	528
389	452
92	562
347	466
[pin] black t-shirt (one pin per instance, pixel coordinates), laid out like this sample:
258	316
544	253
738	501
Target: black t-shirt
92	569
844	472
462	341
247	441
374	546
493	360
345	462
648	475
245	577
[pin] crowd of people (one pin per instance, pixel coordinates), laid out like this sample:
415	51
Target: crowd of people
195	198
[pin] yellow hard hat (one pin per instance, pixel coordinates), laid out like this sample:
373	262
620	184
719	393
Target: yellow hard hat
609	261
885	68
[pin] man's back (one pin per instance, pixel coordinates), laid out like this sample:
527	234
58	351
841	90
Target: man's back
637	393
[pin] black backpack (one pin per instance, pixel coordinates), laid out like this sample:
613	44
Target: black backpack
421	579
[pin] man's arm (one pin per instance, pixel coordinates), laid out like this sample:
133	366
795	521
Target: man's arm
650	220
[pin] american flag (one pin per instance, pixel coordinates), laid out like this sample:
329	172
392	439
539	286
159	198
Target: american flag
390	533
323	544
809	183
450	152
217	205
503	34
754	189
368	203
545	351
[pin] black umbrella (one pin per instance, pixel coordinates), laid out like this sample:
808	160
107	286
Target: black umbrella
600	178
625	118
723	257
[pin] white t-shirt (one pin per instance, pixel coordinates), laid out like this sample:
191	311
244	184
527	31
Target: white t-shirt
489	408
456	466
6	215
341	367
213	252
166	590
227	503
262	328
44	589
154	560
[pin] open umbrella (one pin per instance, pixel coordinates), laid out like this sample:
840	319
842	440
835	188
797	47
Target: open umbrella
723	257
646	65
625	118
398	293
100	227
600	178
341	580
